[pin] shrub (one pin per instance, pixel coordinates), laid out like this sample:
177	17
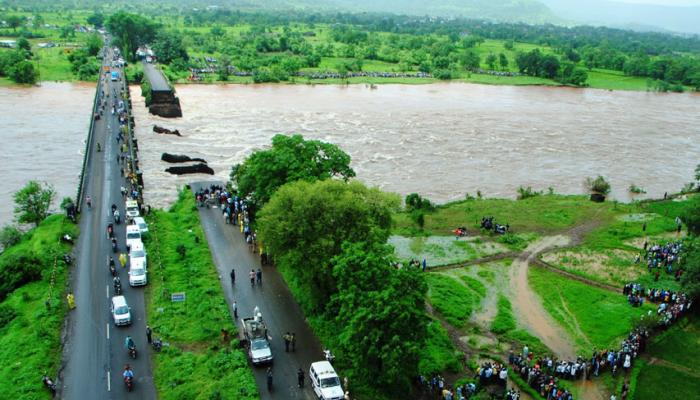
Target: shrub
504	321
636	189
17	270
7	314
598	185
414	201
9	236
527	192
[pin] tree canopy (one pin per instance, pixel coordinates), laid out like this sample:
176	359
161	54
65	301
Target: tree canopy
168	47
690	280
33	201
304	224
381	315
131	31
291	158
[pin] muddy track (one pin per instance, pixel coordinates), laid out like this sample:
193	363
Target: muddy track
527	305
482	260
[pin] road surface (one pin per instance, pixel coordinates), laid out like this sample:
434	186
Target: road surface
279	309
155	78
94	354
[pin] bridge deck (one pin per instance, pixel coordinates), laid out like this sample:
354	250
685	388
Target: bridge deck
156	78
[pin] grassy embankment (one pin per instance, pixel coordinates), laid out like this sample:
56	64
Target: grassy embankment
30	342
607	254
672	372
196	364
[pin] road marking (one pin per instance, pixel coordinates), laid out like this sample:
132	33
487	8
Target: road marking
107	290
107	330
109	381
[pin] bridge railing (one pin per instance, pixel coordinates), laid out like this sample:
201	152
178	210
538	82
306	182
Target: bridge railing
88	144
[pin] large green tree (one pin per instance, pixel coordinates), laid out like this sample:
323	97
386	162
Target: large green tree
32	202
24	72
304	224
291	158
691	216
380	311
131	31
168	47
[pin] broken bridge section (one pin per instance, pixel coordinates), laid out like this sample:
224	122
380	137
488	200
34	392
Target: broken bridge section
163	102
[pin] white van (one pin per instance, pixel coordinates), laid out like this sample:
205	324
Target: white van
325	381
133	236
132	208
121	312
137	265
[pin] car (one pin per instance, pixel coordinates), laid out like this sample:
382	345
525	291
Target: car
121	312
141	222
138	254
132	209
325	381
133	235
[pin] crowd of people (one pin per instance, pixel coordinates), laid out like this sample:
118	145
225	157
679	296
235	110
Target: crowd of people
664	257
671	304
437	388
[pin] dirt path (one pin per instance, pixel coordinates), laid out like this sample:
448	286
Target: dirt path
681	368
527	305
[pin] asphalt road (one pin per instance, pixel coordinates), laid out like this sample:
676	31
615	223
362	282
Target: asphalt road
277	305
94	353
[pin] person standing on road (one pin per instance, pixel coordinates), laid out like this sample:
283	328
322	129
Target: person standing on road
300	378
233	276
122	260
287	339
235	309
293	341
259	276
252	277
269	378
148	334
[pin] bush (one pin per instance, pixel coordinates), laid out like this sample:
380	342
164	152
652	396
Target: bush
17	270
7	314
9	236
527	192
504	321
598	185
415	202
636	189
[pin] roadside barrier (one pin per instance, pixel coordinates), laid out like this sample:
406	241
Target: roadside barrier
88	144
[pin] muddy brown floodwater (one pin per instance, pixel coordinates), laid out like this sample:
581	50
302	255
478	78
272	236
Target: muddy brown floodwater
43	130
441	140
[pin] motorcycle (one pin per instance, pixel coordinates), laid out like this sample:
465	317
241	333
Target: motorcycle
114	245
129	381
157	344
110	231
49	383
112	267
67	259
117	217
132	352
117	288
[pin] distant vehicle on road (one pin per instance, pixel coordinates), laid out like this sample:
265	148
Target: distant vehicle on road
132	209
115	76
133	236
137	265
253	335
141	222
121	312
325	381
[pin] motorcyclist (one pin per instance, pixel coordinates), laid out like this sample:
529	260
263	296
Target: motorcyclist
129	342
128	374
116	216
88	200
117	283
99	148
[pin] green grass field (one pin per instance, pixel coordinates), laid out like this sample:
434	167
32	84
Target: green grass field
450	298
196	363
541	214
595	318
30	333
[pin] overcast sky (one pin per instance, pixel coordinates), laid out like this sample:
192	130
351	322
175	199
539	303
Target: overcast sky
664	2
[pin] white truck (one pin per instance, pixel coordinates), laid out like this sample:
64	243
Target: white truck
254	337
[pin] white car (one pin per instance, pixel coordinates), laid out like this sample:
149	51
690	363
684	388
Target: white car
133	236
121	312
325	381
138	254
141	223
132	209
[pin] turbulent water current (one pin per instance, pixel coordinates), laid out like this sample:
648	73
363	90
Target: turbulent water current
441	140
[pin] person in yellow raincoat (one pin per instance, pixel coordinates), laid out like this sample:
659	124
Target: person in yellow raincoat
122	259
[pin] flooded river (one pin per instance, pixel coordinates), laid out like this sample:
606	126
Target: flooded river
441	140
43	130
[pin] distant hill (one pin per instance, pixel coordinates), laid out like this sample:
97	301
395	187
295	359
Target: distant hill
628	15
531	11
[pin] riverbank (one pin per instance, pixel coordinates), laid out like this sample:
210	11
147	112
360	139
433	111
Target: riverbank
31	316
